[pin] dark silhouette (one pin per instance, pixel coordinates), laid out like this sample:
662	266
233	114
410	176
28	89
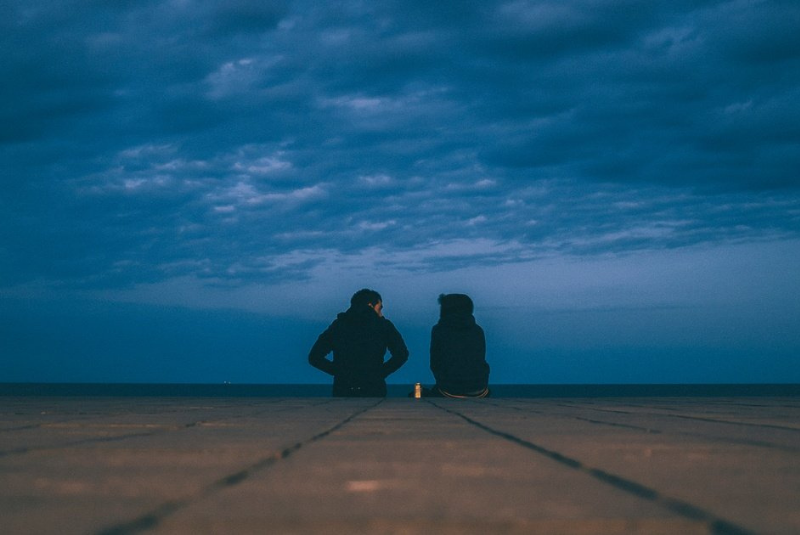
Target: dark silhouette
458	351
359	339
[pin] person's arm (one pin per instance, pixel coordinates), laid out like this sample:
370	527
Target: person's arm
321	348
397	348
436	353
482	349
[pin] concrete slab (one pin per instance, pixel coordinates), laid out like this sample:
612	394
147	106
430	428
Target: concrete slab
299	465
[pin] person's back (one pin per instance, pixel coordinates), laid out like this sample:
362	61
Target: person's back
359	339
458	349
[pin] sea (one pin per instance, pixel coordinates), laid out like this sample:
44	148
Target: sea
395	390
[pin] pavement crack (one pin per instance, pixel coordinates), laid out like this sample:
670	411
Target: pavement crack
20	428
95	440
690	417
591	421
153	518
716	525
652	430
615	424
731	422
23	450
199	423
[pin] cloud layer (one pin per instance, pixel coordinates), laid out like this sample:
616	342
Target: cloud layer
251	141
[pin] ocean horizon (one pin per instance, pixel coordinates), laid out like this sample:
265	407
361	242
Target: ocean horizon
394	390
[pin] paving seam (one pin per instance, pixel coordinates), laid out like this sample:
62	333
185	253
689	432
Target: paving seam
716	525
20	428
24	450
85	417
153	518
598	422
686	417
729	422
653	431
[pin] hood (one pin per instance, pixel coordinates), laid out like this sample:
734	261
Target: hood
360	314
458	321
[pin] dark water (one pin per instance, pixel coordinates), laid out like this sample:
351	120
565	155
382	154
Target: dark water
395	390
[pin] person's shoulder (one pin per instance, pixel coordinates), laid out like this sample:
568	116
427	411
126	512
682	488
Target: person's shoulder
473	324
387	324
338	320
479	329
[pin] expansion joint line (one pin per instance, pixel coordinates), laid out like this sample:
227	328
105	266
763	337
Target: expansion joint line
94	440
153	518
716	525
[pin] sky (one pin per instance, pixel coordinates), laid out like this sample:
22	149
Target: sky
190	191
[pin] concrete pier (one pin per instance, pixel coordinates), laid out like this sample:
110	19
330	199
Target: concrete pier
399	466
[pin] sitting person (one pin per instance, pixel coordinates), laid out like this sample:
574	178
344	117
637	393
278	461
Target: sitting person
358	340
458	351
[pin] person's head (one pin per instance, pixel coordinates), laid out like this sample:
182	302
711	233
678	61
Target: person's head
368	297
455	304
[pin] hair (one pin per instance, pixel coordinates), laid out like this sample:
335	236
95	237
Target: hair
365	297
455	304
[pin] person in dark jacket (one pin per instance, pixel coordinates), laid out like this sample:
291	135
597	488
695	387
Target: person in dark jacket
458	350
359	339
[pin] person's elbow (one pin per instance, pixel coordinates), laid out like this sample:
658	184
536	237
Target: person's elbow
315	358
402	356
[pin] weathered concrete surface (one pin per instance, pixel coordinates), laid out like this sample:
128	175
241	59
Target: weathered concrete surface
305	465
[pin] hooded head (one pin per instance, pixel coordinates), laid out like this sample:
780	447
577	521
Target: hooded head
367	297
452	304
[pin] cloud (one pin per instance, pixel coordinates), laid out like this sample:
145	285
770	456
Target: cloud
142	141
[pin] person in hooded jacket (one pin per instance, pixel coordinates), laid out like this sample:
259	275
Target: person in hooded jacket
359	339
458	350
